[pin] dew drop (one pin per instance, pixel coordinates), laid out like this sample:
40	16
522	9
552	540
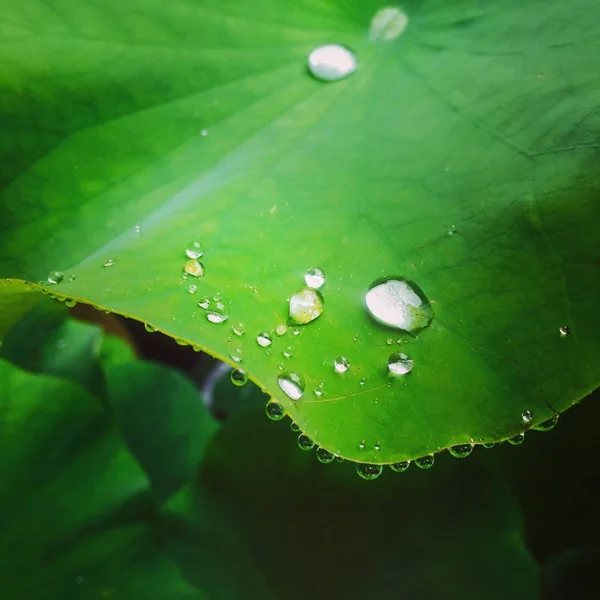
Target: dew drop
236	356
217	312
362	381
109	262
517	440
305	443
400	364
547	425
287	353
527	417
305	306
461	450
294	427
361	445
425	462
291	384
488	445
73	277
192	289
263	339
274	410
389	341
377	446
564	331
324	456
331	62
281	329
314	278
194	268
399	303
70	303
238	329
194	250
388	24
55	277
296	332
204	303
400	467
149	328
319	390
341	364
368	471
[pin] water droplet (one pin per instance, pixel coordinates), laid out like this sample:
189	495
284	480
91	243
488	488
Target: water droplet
192	289
331	62
564	331
389	341
306	306
362	381
305	443
294	427
238	377
194	250
488	445
281	329
263	339
361	445
274	410
377	446
287	352
527	416
547	425
368	471
109	262
399	341
204	132
149	328
137	229
517	440
399	303
339	459
184	276
217	312
194	268
400	467
238	329
324	456
400	364
236	356
296	332
70	303
319	390
204	303
425	462
314	278
461	450
388	24
73	277
79	580
291	384
341	364
55	277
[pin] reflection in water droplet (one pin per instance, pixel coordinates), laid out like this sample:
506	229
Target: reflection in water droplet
204	303
294	427
527	416
400	467
238	377
149	328
274	410
368	472
331	62
388	24
238	329
324	456
425	462
399	303
400	364
461	450
194	268
281	329
291	384
109	262
192	289
217	312
341	364
305	443
517	440
314	278
55	277
287	352
547	425
305	306
564	331
194	250
263	339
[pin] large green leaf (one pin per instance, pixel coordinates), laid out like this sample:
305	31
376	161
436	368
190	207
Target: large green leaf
462	155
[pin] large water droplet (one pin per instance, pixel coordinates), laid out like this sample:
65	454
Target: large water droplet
305	443
238	377
388	24
217	312
305	306
461	450
400	467
517	440
341	364
547	425
291	384
55	277
527	417
331	62
109	262
263	339
368	471
314	278
425	462
238	329
194	268
400	364
399	303
324	456
274	410
194	250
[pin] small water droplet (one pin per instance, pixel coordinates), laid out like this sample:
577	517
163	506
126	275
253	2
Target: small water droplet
331	62
73	277
314	278
564	331
461	450
291	384
287	353
204	132
194	268
362	445
184	276
389	341
399	303
305	443
263	339
294	427
341	364
236	356
238	329
274	410
194	250
109	262
55	277
306	306
281	329
400	364
527	416
488	445
547	425
451	230
517	440
319	390
400	467
377	446
296	332
324	456
425	462
192	289
204	303
137	229
149	328
388	24
362	381
368	471
217	312
69	302
79	580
